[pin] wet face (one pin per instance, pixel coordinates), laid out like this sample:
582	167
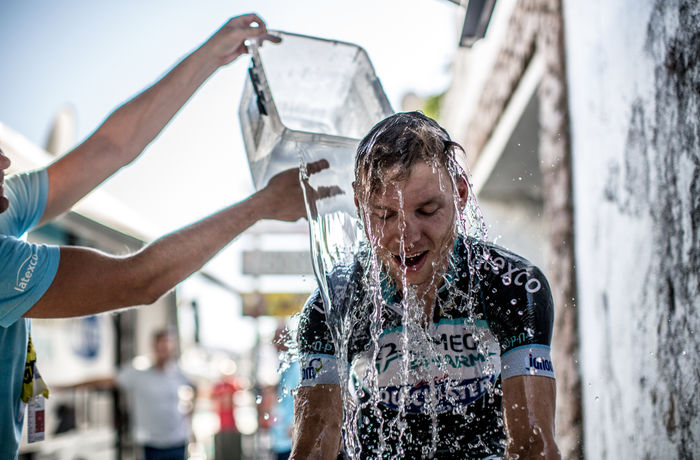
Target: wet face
4	164
412	222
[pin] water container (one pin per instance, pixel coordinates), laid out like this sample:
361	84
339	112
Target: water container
309	98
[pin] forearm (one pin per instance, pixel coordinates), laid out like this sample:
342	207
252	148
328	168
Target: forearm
528	411
125	133
172	258
105	383
130	128
318	418
536	446
90	282
136	123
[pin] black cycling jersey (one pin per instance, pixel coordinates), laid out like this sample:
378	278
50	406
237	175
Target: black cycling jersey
492	320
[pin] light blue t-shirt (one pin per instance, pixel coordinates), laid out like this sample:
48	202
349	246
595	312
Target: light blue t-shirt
156	416
284	411
26	272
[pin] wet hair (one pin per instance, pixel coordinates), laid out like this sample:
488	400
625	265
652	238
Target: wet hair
401	140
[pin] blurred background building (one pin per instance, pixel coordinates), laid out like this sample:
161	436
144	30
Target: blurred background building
581	125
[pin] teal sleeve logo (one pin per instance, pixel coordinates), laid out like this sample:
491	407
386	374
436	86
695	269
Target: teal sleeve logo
25	272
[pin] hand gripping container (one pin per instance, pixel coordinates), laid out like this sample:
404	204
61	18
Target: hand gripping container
306	99
309	98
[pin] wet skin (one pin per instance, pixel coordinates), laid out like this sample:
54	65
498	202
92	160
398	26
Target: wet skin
412	224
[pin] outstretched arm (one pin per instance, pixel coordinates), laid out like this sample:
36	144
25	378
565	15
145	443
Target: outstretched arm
318	417
89	281
528	410
130	128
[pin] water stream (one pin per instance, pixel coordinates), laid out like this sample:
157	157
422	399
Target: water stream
393	359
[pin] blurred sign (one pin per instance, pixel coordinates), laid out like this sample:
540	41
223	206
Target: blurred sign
277	263
272	303
86	337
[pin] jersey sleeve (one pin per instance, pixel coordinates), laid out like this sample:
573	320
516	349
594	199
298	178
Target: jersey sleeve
520	311
317	359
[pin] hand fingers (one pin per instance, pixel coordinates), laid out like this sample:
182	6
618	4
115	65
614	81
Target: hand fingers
249	24
248	20
317	166
327	192
270	37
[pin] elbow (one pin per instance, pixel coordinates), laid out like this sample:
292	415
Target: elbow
149	291
151	294
140	294
142	285
107	142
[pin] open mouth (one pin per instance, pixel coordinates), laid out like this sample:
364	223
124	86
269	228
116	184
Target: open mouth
411	261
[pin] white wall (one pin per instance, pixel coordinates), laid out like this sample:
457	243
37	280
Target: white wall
634	78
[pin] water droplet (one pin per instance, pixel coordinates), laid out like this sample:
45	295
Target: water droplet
258	399
513	301
266	416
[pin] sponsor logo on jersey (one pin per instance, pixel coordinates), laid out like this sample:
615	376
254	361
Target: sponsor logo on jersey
512	275
25	272
311	371
537	363
444	395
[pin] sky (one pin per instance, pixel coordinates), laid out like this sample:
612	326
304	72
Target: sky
92	56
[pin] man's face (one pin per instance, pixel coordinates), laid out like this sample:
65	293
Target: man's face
4	164
412	222
165	348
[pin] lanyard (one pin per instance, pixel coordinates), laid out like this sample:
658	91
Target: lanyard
34	390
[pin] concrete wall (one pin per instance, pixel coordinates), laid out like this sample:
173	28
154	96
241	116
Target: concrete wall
634	76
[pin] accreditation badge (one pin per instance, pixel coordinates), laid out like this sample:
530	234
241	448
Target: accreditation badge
35	419
34	390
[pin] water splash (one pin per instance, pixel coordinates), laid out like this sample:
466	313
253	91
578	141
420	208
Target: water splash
340	246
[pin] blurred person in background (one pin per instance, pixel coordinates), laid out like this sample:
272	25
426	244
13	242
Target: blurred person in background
227	442
43	281
161	401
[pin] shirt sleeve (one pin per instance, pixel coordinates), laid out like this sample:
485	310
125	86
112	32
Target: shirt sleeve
26	273
27	270
521	314
317	360
28	194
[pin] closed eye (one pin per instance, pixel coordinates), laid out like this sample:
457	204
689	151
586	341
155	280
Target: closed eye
428	210
384	215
